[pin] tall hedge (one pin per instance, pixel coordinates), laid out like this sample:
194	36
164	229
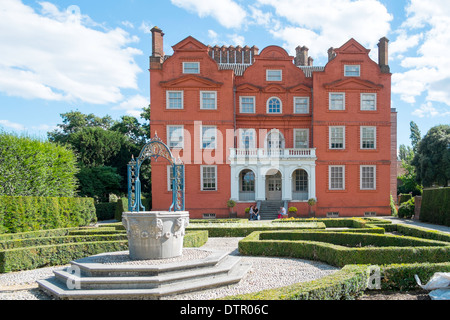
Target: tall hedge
22	214
436	206
29	167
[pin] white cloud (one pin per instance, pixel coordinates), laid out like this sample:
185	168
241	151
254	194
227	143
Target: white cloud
133	105
11	125
320	25
58	55
428	69
428	110
145	27
227	12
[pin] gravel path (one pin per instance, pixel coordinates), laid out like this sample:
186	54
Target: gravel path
265	273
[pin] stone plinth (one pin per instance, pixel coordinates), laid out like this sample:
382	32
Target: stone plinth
155	234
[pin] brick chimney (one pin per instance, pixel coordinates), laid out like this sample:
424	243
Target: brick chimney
383	56
301	57
157	57
331	54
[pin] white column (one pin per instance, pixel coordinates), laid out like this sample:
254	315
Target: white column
286	185
234	184
312	181
260	192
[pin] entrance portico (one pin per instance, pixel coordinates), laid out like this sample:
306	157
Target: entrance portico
285	175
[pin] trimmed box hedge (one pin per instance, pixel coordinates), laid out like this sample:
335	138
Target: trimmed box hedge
22	214
338	255
244	229
32	253
435	206
345	284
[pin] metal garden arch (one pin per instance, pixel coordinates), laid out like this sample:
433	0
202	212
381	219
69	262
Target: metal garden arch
155	148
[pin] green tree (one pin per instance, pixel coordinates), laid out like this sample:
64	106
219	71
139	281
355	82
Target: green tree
432	159
99	182
406	153
415	135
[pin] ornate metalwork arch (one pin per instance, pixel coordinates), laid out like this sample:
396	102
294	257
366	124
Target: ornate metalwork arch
155	148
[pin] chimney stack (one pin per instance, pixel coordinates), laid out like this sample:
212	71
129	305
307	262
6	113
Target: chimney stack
301	58
157	57
383	56
331	54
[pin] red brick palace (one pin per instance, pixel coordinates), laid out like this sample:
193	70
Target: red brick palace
271	129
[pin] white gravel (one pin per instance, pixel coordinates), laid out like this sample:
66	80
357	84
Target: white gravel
266	273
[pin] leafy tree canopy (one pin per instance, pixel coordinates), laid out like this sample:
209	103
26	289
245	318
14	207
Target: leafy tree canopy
432	159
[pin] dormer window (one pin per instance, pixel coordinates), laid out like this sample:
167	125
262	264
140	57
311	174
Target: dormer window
191	67
274	75
352	70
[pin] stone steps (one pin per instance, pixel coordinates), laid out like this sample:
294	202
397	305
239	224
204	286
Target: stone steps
269	209
92	281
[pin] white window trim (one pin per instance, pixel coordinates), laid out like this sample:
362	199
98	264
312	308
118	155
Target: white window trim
307	105
267	106
241	136
361	138
215	137
330	141
279	70
168	99
361	101
201	100
374	177
329	177
184	67
201	177
352	65
240	104
329	101
168	136
169	181
307	135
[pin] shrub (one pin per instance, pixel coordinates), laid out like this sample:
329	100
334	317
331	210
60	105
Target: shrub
404	198
105	210
33	168
293	210
435	206
22	214
406	209
394	211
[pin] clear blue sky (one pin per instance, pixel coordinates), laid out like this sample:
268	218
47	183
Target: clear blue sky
92	56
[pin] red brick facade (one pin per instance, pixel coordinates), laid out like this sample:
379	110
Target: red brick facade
257	127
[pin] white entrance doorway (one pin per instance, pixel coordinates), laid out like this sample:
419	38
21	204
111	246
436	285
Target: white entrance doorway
273	185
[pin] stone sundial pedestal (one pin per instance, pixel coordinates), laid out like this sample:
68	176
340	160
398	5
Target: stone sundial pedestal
155	234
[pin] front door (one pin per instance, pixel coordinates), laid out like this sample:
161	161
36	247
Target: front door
273	186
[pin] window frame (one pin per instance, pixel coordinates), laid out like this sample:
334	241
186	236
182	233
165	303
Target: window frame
361	136
202	136
202	100
186	70
202	187
241	104
375	101
330	186
330	137
168	99
169	136
374	187
295	138
295	105
269	78
330	101
242	132
268	105
346	72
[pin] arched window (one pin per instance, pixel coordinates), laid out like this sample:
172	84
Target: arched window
274	105
275	140
300	185
247	181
